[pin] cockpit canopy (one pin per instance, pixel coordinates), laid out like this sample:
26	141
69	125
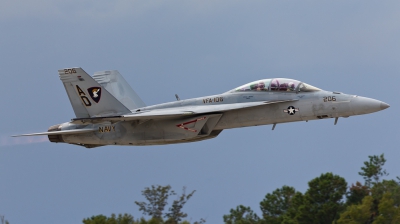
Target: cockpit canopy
277	85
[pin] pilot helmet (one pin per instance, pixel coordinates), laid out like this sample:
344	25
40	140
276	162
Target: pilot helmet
292	86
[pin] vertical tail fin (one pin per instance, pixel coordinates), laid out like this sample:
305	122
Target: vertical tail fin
115	84
88	98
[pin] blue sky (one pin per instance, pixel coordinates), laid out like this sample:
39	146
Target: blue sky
192	48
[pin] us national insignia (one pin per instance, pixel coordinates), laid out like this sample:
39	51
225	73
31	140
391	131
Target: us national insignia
291	110
95	93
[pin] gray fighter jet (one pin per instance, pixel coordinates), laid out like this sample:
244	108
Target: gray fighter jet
109	112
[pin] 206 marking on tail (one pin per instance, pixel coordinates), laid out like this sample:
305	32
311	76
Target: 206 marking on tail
69	71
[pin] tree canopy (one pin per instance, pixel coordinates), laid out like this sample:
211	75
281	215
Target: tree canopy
329	199
373	169
155	206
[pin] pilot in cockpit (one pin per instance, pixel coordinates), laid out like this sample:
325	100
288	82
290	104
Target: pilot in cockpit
258	87
291	86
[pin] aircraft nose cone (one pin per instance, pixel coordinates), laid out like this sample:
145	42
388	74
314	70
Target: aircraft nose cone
384	106
364	105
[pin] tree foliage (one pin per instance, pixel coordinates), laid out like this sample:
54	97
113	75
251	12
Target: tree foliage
387	186
381	204
157	197
373	170
241	215
175	213
388	211
276	205
113	219
323	199
375	202
3	220
356	193
358	213
365	212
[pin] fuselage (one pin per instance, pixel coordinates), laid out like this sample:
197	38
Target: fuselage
309	106
305	106
109	112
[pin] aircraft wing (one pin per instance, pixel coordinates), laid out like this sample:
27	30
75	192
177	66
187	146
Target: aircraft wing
179	111
194	110
65	132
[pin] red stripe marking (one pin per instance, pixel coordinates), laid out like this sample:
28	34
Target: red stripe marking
189	122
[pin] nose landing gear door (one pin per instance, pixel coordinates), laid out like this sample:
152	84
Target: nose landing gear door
341	108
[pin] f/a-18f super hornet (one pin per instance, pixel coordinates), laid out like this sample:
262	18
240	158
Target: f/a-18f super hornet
109	112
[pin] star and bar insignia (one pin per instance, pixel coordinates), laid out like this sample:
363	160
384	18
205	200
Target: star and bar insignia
291	110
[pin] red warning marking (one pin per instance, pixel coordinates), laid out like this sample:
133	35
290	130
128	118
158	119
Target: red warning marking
189	122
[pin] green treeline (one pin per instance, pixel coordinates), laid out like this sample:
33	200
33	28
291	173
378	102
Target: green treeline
155	207
328	200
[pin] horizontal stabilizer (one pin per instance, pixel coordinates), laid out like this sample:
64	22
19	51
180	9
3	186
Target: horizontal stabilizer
66	132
